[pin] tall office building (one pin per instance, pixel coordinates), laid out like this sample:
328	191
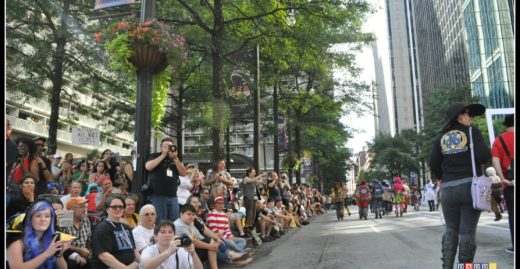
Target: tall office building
397	93
490	41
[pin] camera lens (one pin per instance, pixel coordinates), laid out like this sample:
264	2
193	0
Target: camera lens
185	240
173	148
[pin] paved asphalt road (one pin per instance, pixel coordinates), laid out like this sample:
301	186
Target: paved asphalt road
413	241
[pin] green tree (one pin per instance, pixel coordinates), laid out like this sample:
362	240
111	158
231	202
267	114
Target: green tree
52	41
393	155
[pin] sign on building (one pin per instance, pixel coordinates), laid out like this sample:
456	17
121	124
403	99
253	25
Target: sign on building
111	3
86	136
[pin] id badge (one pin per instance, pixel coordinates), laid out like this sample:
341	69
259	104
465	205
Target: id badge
169	172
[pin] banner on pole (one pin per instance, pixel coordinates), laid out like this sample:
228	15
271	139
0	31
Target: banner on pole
111	3
86	136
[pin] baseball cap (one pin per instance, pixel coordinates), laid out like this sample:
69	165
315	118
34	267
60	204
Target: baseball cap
39	138
75	201
218	199
57	156
191	165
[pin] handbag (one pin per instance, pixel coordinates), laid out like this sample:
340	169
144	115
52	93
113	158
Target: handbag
480	186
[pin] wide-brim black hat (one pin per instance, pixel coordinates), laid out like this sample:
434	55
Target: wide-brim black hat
455	109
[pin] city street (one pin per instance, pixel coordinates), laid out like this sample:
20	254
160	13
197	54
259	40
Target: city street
413	241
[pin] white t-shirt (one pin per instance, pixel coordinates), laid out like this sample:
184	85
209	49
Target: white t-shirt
185	259
183	190
142	236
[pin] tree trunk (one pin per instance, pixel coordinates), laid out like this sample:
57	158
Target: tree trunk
57	79
180	118
217	130
275	113
297	142
288	127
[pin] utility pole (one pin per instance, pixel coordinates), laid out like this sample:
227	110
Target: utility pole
256	104
143	124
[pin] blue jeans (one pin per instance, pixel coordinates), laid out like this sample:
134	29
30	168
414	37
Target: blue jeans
461	224
223	254
238	244
166	207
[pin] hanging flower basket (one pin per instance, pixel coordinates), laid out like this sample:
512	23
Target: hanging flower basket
132	45
148	56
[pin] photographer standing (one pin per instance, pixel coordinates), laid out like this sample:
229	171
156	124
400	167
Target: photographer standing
164	169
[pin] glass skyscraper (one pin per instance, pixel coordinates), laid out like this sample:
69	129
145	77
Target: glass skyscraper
490	47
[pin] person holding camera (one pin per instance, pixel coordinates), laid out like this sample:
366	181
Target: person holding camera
219	178
169	251
164	169
44	164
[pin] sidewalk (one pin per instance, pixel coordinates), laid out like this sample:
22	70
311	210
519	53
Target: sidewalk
267	247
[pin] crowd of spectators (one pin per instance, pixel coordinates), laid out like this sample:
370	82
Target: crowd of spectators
207	220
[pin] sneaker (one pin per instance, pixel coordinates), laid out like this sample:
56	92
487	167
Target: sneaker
510	250
243	262
248	250
237	257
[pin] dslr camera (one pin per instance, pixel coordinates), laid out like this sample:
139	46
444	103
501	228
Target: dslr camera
185	240
173	148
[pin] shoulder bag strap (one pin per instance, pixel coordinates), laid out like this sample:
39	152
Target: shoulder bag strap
505	147
472	153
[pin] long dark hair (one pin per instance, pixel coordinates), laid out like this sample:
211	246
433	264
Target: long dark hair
249	171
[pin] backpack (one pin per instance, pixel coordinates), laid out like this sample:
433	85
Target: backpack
378	191
511	167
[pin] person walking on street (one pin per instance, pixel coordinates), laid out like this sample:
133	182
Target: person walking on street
363	198
164	169
339	196
496	189
429	195
503	151
451	161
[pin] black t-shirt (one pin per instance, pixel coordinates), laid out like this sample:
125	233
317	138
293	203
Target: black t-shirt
160	182
114	238
41	185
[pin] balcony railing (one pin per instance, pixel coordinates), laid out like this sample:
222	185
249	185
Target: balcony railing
35	129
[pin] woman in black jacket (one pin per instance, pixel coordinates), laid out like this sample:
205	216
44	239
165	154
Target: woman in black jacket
451	162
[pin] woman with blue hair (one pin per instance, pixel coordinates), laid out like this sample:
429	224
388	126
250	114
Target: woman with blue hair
54	188
39	247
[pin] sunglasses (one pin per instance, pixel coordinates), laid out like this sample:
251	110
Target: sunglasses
114	207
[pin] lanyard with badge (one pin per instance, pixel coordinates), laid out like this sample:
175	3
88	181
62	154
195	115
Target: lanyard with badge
122	239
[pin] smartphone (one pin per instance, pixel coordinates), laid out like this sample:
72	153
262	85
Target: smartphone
57	234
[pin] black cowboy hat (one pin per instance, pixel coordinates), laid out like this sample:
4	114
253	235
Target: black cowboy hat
455	109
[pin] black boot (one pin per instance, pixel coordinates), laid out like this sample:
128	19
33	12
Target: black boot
498	216
449	250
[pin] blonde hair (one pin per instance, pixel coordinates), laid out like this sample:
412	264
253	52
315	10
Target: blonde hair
490	171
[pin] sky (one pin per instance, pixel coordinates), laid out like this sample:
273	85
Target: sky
364	125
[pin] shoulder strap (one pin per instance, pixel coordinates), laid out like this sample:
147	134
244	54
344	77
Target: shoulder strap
472	153
135	219
505	147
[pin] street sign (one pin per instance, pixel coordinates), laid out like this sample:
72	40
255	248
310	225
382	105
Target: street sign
85	136
111	3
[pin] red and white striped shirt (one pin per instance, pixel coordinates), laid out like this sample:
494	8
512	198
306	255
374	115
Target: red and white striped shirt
218	222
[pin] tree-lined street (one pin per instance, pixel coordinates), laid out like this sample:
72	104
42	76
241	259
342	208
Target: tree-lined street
413	241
